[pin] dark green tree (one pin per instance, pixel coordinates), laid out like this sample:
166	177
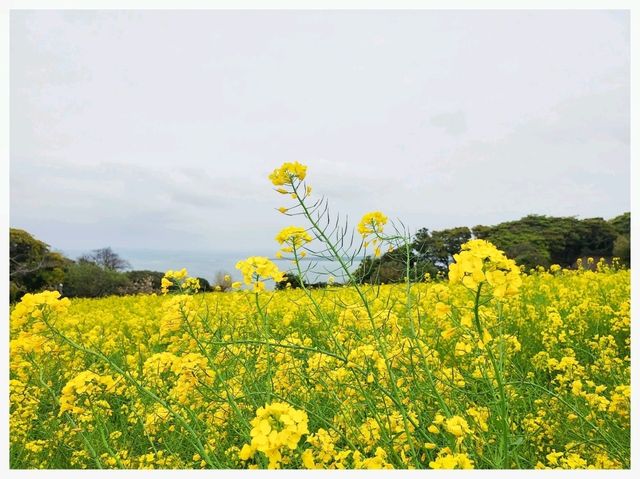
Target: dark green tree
391	267
290	279
622	249
32	265
544	240
597	237
204	285
622	244
438	247
622	223
88	280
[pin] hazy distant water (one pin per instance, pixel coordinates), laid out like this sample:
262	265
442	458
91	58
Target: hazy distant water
205	264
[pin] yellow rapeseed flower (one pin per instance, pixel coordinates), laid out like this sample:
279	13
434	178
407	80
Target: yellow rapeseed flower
294	236
256	269
372	222
276	428
480	262
457	426
287	173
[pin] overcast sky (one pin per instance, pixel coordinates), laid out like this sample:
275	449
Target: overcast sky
157	129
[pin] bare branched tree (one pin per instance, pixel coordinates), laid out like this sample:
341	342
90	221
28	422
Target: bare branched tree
222	281
106	258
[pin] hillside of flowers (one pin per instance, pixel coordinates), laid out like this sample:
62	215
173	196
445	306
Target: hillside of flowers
489	367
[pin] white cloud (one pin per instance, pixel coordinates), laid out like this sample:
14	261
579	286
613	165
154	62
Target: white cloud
157	129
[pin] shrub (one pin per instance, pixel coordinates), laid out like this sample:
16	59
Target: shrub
88	280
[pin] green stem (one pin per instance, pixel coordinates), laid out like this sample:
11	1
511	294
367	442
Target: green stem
321	233
268	346
201	450
504	414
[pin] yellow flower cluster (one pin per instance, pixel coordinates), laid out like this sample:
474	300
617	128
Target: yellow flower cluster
294	237
288	179
181	376
378	461
32	306
481	262
448	460
373	224
177	281
287	173
177	310
206	357
457	426
414	375
84	395
256	269
323	453
276	428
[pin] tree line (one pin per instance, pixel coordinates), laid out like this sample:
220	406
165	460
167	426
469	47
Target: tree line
34	267
532	241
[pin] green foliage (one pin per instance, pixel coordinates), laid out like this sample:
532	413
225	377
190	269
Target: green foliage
438	247
622	244
622	249
99	274
530	254
544	240
598	237
378	270
88	280
290	279
204	285
622	223
534	240
391	267
32	266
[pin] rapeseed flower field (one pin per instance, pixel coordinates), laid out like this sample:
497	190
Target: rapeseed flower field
490	367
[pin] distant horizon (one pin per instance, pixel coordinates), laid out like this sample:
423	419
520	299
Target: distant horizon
261	251
205	263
